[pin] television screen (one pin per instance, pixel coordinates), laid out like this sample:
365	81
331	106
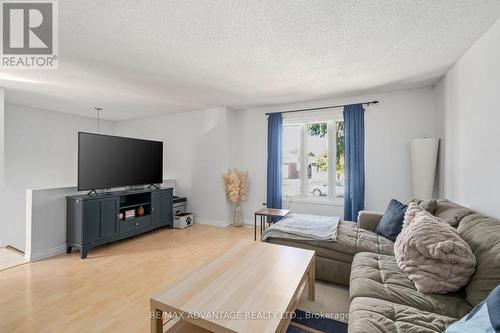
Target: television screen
106	161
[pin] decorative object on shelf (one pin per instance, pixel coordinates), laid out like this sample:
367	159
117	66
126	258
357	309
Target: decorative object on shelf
424	154
130	214
236	187
120	216
140	211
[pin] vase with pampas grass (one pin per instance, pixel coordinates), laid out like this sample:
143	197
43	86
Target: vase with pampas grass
235	186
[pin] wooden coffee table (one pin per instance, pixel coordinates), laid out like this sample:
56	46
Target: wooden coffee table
250	288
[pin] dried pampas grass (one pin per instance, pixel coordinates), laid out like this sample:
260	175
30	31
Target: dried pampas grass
235	185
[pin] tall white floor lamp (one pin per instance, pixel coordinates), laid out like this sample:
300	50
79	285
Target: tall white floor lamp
424	153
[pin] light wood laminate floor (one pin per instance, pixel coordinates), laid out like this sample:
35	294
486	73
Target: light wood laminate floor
10	258
110	290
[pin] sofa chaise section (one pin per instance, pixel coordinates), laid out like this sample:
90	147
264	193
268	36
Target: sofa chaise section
334	259
378	276
373	315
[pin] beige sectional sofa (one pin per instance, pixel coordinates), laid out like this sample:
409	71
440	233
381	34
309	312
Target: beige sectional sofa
383	299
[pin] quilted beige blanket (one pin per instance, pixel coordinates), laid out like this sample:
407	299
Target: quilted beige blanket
432	253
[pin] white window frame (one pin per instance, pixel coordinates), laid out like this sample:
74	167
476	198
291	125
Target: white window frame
329	116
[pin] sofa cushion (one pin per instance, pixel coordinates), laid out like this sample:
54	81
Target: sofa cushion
350	240
482	233
451	212
374	315
429	205
391	223
369	220
378	276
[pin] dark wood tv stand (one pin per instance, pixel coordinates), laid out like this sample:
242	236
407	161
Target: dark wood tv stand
93	220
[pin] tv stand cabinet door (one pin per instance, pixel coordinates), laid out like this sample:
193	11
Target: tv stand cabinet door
109	217
91	221
156	207
167	207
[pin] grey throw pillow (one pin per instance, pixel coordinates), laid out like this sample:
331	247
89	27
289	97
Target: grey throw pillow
391	223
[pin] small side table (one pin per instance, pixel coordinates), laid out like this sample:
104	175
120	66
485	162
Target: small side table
264	214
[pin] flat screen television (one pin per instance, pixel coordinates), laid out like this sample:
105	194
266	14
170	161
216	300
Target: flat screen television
106	161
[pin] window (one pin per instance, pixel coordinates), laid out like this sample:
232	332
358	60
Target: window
313	156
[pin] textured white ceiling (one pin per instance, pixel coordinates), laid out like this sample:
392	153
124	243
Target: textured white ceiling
140	58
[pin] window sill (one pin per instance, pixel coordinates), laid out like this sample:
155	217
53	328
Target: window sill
327	202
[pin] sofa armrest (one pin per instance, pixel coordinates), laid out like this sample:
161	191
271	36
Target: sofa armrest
369	220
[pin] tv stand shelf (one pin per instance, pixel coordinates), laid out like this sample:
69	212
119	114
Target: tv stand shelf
93	220
135	205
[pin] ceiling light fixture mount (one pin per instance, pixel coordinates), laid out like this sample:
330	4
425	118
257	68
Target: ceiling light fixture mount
98	109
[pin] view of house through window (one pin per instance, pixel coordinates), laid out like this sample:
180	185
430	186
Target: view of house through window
313	159
291	160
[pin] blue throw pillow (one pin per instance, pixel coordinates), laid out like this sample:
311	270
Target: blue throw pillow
483	318
392	222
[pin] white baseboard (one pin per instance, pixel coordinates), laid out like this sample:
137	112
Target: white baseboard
45	253
250	222
209	221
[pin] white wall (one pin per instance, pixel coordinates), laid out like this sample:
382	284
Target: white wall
467	100
2	137
390	125
197	150
40	151
40	146
199	146
2	166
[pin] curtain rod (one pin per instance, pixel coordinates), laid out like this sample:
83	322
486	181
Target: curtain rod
323	107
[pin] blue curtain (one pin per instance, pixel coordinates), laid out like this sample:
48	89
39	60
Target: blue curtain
354	158
274	143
